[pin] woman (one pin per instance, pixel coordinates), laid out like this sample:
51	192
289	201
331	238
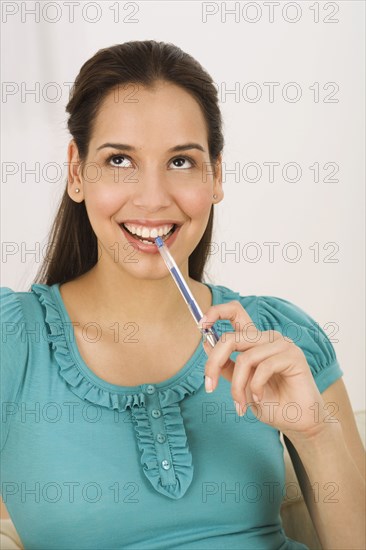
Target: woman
124	448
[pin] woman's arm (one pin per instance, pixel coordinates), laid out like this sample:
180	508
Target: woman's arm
330	467
271	369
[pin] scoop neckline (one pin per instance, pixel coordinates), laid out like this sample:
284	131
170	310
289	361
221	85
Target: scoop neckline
192	362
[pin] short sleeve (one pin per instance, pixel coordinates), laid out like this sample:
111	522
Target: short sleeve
13	356
291	321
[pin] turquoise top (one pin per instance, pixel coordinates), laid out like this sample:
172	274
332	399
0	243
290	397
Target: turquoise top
88	464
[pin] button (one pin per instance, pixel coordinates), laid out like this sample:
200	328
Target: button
150	389
160	438
165	464
155	413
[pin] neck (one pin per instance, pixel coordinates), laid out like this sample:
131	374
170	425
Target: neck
112	294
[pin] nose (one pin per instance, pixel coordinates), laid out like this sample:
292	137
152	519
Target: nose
151	193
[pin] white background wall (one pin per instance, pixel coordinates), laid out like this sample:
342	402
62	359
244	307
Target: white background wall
313	45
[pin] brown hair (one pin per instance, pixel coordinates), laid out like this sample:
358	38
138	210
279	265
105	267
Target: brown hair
72	248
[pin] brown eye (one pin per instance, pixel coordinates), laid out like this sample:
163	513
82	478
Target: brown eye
181	162
118	160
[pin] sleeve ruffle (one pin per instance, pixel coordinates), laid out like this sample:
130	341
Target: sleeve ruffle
291	321
14	355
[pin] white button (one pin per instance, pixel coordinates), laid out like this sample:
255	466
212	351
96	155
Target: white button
160	438
155	413
165	464
150	389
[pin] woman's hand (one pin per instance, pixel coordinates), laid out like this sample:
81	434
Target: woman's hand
271	373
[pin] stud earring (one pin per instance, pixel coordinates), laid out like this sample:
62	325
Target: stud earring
77	190
215	196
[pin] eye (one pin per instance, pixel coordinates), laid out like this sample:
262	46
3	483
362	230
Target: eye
179	160
119	160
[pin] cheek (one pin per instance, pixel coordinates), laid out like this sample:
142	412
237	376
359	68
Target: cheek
102	202
196	202
197	206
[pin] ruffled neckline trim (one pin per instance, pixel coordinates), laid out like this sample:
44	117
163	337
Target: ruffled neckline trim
165	456
86	384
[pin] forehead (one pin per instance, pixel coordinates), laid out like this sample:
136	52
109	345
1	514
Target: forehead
163	113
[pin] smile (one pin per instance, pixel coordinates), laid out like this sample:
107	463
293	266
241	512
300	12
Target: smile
148	236
147	244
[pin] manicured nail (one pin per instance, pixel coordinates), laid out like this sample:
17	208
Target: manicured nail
208	384
255	397
238	409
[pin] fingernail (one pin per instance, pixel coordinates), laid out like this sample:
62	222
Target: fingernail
203	320
208	384
238	409
255	397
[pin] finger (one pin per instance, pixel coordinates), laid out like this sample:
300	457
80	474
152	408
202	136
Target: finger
231	342
250	336
226	369
232	311
279	363
219	362
244	364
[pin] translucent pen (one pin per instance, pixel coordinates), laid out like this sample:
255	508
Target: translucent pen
209	333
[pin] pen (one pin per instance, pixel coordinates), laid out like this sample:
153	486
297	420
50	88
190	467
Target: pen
209	333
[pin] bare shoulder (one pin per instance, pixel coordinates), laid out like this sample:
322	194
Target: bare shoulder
202	294
75	297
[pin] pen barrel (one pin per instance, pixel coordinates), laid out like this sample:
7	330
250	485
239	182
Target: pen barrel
194	308
170	263
210	333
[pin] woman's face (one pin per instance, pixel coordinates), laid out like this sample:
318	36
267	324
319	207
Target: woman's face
133	174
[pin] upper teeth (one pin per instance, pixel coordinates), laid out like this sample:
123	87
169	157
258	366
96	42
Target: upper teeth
145	232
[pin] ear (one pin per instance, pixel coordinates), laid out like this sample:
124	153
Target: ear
218	190
74	179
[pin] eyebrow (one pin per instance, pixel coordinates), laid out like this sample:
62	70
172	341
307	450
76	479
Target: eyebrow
125	147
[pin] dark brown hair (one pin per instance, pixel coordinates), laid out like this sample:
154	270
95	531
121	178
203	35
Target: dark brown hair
72	247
